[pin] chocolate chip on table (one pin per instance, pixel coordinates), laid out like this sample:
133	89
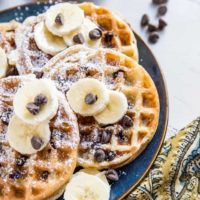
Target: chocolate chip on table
21	161
78	38
152	28
40	100
162	10
159	2
109	37
90	98
112	175
38	74
145	20
44	175
33	108
59	20
95	34
153	38
126	122
99	155
162	24
36	142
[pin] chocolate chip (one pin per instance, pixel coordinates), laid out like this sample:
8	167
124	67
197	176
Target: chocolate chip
32	108
95	34
21	161
12	71
5	116
95	136
90	98
110	155
38	74
36	142
99	155
152	28
59	20
158	2
122	137
40	100
106	135
44	175
109	37
79	39
153	38
112	175
118	73
16	175
162	10
162	24
145	20
126	122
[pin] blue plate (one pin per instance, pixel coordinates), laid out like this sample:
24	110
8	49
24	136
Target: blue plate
133	173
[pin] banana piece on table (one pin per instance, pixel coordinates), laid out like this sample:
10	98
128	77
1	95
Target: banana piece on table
27	139
3	63
63	18
36	101
46	41
115	110
86	187
88	97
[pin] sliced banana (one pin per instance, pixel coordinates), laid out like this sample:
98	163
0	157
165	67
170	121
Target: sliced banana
115	110
46	41
3	63
26	95
85	29
63	18
88	96
86	187
27	139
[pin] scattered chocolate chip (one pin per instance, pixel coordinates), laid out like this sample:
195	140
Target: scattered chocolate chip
40	100
126	122
110	155
36	142
153	38
79	39
95	34
158	2
12	71
6	115
145	20
118	73
38	74
109	37
16	175
162	10
44	175
95	136
59	20
99	155
112	175
106	135
90	98
152	28
32	108
162	24
21	161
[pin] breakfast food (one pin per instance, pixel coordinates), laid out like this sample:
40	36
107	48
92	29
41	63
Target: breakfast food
40	168
116	135
63	25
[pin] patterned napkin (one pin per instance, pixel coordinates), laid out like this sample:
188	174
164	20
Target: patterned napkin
175	174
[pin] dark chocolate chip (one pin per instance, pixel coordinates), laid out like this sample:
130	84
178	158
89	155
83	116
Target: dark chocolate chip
95	136
112	175
109	37
145	20
126	122
110	155
106	135
16	175
21	161
44	175
118	73
6	115
12	71
33	108
95	34
162	10
59	20
36	142
40	100
152	28
79	39
162	24
90	98
153	38
158	2
99	155
38	74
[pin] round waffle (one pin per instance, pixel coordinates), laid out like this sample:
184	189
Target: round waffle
120	73
31	58
41	175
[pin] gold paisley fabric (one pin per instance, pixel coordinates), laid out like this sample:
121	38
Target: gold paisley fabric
175	174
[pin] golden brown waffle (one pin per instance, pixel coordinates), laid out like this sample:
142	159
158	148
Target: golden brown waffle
118	72
42	175
31	58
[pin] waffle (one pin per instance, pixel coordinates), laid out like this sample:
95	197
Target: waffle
44	174
31	58
120	73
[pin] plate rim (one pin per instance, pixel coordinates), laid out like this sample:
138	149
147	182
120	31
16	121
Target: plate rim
166	91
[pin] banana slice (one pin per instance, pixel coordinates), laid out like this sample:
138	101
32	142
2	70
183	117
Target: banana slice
27	139
36	101
86	187
63	18
85	30
3	63
115	110
88	96
46	41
